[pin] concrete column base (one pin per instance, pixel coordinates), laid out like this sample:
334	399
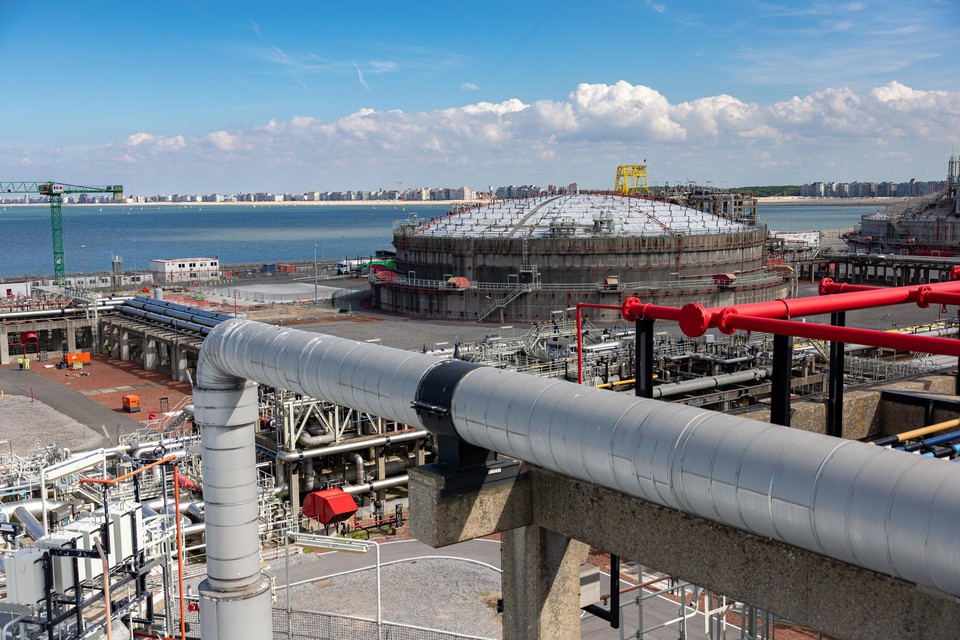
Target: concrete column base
541	585
236	614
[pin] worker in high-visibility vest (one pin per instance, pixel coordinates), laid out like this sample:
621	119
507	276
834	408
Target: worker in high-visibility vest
20	361
26	363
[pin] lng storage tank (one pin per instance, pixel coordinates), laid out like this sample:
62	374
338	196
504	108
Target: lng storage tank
520	260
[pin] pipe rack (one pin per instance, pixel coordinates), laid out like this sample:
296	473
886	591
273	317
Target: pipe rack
843	499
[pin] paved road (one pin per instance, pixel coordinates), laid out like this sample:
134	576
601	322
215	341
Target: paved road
67	401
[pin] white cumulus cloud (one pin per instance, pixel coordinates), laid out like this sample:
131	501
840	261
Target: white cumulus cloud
595	127
156	143
222	140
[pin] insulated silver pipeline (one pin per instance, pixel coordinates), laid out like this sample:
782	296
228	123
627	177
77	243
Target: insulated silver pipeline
235	596
868	506
358	465
376	485
144	448
229	484
353	445
708	382
31	525
33	505
307	440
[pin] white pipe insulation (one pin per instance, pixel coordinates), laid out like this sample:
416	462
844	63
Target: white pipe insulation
879	509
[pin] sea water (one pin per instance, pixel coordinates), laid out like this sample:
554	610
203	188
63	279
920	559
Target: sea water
248	234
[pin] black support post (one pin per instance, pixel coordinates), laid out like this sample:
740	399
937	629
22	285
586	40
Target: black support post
615	586
643	387
780	391
835	384
613	614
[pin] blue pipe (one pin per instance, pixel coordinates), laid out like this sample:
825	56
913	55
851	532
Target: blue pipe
166	320
182	313
942	452
929	442
181	307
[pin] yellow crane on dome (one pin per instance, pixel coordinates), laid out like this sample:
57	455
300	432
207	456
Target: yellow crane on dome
632	179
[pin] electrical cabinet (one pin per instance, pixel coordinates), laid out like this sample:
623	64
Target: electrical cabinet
25	583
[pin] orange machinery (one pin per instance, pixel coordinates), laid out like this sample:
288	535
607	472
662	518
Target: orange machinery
131	404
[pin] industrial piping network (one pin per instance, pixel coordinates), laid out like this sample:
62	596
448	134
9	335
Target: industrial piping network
857	503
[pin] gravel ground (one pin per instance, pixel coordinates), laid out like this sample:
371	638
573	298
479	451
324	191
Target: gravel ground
445	594
27	425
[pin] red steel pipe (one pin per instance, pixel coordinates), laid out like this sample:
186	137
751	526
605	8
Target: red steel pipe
852	335
695	319
828	287
633	309
587	305
925	294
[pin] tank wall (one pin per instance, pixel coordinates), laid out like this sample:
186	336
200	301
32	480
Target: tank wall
581	260
538	305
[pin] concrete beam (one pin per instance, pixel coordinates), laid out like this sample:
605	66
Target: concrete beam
445	519
812	590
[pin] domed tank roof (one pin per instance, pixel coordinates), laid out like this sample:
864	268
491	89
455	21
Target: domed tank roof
571	216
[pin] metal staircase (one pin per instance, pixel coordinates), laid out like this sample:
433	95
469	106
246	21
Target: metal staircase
501	303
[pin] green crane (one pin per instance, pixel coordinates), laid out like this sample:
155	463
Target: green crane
55	191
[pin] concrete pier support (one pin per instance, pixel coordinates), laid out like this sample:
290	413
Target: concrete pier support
124	345
178	363
71	335
4	347
541	569
541	584
150	355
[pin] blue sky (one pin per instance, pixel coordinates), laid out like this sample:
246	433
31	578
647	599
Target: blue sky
204	96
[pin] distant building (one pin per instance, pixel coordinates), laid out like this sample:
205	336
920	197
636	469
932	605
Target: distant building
176	270
20	289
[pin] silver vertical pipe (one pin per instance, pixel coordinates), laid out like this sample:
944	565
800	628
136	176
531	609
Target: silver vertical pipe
235	597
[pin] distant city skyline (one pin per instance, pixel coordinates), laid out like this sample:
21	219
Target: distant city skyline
816	189
225	97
